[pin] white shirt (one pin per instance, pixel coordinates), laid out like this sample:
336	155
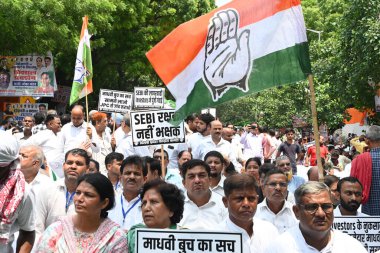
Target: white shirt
49	142
72	137
132	217
223	147
253	145
104	149
195	139
292	241
283	220
337	213
219	187
207	216
126	148
51	204
119	135
263	235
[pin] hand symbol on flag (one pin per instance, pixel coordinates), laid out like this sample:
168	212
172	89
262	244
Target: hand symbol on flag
228	61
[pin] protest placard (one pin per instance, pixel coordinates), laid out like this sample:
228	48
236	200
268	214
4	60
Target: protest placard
212	111
187	241
152	127
364	229
27	75
22	110
115	101
62	95
149	97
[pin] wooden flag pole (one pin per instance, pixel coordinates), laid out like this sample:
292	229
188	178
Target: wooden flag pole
114	124
163	169
315	127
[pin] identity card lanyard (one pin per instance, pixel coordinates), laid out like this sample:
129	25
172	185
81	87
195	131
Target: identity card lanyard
69	199
122	207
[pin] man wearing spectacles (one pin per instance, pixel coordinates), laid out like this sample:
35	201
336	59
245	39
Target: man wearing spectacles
283	163
314	210
275	208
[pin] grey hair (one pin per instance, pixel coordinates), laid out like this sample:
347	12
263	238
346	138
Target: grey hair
39	153
310	187
280	158
373	133
127	119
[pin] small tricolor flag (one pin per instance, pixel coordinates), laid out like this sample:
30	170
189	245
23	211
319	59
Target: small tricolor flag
82	84
238	49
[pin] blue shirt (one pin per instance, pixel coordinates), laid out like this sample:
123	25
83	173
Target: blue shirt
372	207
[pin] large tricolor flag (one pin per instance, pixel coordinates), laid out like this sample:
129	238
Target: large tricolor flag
240	48
82	84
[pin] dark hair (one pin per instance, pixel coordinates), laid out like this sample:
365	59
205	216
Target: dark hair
159	151
272	132
183	151
39	117
350	180
103	187
113	156
65	118
154	165
96	164
42	105
135	160
50	117
330	179
217	154
206	118
230	170
265	168
191	117
191	164
80	152
239	182
255	159
289	130
172	196
273	172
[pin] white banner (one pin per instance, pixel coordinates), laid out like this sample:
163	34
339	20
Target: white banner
28	109
152	127
186	241
147	97
364	229
115	101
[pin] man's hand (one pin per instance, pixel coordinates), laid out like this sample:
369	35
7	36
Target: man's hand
85	145
228	60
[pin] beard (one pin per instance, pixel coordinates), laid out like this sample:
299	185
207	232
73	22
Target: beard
349	207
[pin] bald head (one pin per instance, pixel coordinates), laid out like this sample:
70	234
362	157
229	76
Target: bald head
216	130
77	115
228	134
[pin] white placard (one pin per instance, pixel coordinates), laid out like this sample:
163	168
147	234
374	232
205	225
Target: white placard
364	229
187	241
212	111
152	127
148	97
115	101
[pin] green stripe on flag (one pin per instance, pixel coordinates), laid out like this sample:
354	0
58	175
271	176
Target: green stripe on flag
279	68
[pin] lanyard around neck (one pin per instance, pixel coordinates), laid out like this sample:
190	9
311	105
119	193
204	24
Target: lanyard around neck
69	199
129	209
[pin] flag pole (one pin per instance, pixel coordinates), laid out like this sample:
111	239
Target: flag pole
315	127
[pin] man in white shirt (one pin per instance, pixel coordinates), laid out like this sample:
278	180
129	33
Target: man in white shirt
350	192
27	123
16	212
127	210
252	141
49	140
275	208
216	161
203	131
241	201
314	210
237	148
125	144
56	200
78	134
216	142
203	208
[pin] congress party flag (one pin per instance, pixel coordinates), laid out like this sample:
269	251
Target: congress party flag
238	49
82	84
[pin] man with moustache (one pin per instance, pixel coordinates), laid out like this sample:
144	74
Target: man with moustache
203	131
56	200
127	210
314	210
27	123
275	208
241	201
203	208
350	192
